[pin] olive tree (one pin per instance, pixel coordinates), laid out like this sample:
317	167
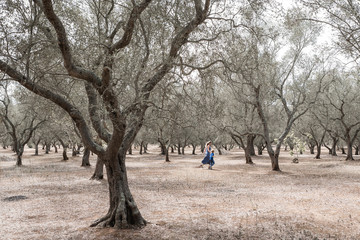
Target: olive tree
20	122
123	41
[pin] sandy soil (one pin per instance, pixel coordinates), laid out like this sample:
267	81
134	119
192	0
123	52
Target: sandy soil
310	200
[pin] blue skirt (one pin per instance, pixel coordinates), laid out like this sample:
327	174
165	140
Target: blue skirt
206	159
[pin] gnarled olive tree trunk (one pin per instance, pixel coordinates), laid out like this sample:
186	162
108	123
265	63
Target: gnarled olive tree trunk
37	147
123	211
99	170
85	159
250	144
247	149
19	153
193	149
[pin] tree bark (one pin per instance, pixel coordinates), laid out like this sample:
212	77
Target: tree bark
167	159
19	152
328	148
99	170
319	144
318	151
343	150
248	155
56	149
123	211
193	149
18	160
312	148
163	147
333	147
47	148
179	148
145	147
65	157
250	144
274	161
141	148
85	159
356	150
349	155
36	149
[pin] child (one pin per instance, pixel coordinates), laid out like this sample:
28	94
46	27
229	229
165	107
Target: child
212	161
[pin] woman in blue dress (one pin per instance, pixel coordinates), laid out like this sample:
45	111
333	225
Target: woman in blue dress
206	159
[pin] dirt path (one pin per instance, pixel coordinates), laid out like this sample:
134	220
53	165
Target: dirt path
315	198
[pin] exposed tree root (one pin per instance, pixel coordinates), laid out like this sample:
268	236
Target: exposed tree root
126	215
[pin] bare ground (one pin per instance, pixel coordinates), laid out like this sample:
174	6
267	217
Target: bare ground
315	199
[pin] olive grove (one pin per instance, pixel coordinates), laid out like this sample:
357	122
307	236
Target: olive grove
105	77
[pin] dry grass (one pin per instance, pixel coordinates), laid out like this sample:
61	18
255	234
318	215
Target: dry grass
315	199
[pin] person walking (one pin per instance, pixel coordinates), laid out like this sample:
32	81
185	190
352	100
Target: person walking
206	159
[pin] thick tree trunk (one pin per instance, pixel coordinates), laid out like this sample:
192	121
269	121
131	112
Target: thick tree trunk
99	170
18	161
356	150
274	161
19	153
167	159
183	150
312	149
123	211
85	159
328	148
193	149
65	157
349	155
333	147
145	148
55	147
141	148
47	148
36	149
220	152
248	155
343	150
179	148
318	151
250	144
163	148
